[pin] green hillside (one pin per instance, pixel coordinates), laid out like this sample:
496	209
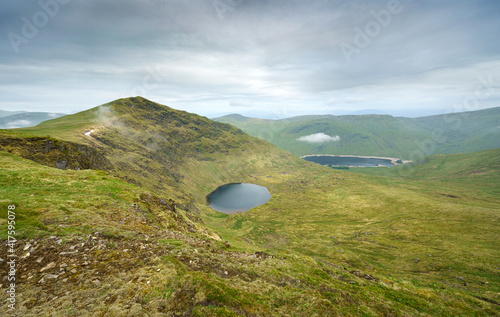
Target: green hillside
470	174
481	165
465	132
161	148
380	135
115	223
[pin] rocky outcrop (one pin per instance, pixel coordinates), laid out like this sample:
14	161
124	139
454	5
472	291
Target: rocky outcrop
55	153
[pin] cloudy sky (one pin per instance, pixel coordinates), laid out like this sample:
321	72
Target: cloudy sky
264	58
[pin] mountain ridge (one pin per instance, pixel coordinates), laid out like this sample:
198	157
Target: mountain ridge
463	113
406	138
149	145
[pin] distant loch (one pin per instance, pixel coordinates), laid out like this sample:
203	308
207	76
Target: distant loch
353	160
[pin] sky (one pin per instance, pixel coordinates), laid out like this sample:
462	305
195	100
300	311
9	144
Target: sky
259	58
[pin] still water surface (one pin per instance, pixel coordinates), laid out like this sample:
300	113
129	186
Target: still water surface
238	197
348	161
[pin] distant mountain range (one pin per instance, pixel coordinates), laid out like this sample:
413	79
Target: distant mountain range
380	135
23	119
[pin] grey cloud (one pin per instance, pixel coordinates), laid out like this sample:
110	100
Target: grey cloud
265	53
240	103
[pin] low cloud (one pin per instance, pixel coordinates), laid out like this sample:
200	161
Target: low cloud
19	124
319	138
105	114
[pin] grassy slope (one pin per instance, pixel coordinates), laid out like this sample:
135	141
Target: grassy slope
151	144
466	174
380	135
411	231
173	153
189	273
366	224
465	132
64	202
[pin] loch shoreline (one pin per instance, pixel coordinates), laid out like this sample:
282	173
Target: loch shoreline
395	161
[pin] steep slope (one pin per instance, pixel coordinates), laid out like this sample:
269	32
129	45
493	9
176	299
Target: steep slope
380	135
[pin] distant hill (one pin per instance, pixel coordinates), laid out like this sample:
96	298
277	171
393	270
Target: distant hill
380	135
9	113
22	119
